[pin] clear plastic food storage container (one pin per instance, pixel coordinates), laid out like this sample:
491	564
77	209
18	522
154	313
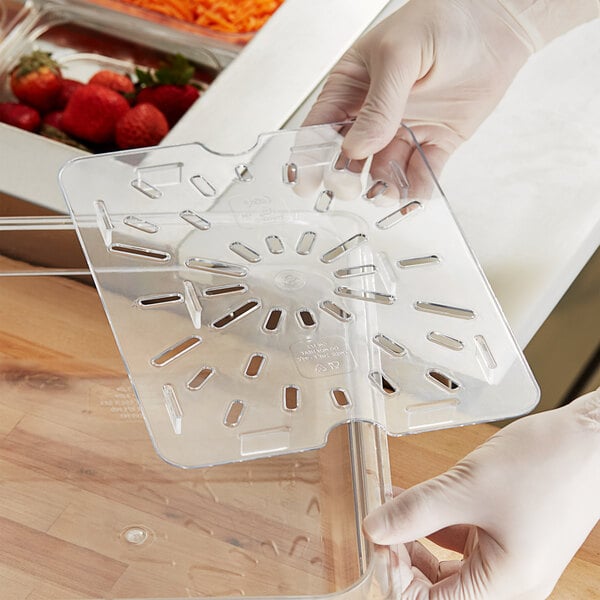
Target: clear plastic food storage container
108	18
229	40
72	36
89	511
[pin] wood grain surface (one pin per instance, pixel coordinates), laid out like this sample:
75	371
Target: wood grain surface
78	474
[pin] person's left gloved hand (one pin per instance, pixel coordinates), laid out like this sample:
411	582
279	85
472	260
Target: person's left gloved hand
519	507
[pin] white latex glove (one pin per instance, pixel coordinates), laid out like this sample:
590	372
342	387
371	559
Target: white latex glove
440	67
530	494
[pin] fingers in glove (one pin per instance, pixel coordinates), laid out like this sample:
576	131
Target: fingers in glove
393	69
462	580
418	168
343	93
311	156
344	178
472	578
389	166
421	510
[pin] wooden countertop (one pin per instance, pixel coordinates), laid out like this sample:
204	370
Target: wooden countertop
77	473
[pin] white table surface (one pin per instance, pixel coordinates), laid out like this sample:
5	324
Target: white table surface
526	187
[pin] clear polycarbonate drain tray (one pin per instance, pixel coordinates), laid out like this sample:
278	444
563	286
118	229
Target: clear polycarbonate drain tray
263	298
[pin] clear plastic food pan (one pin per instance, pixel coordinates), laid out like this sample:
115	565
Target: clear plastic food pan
111	21
89	511
82	46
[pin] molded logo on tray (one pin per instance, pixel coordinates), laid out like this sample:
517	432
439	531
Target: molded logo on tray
259	210
322	357
290	280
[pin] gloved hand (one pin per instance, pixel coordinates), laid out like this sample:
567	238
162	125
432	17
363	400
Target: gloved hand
519	506
440	67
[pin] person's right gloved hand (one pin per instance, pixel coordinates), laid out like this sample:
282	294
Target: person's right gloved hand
440	67
518	507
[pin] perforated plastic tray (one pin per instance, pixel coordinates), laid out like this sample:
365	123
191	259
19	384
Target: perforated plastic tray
261	299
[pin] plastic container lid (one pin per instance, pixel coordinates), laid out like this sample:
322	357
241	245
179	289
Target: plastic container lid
261	299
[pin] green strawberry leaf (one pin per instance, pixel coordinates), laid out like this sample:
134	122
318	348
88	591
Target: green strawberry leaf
30	63
176	70
145	78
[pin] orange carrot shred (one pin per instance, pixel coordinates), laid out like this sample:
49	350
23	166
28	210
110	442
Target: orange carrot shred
229	16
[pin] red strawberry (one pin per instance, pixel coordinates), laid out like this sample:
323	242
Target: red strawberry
144	125
19	115
66	91
37	80
92	113
168	88
172	100
54	119
115	81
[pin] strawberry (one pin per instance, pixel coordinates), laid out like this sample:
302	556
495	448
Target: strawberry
168	88
144	125
66	91
172	100
54	119
92	113
37	80
115	81
20	115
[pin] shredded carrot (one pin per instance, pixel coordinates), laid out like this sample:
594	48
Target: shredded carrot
180	9
241	15
229	16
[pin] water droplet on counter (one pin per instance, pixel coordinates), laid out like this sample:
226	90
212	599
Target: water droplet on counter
136	535
211	569
297	541
314	508
253	560
272	545
191	524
